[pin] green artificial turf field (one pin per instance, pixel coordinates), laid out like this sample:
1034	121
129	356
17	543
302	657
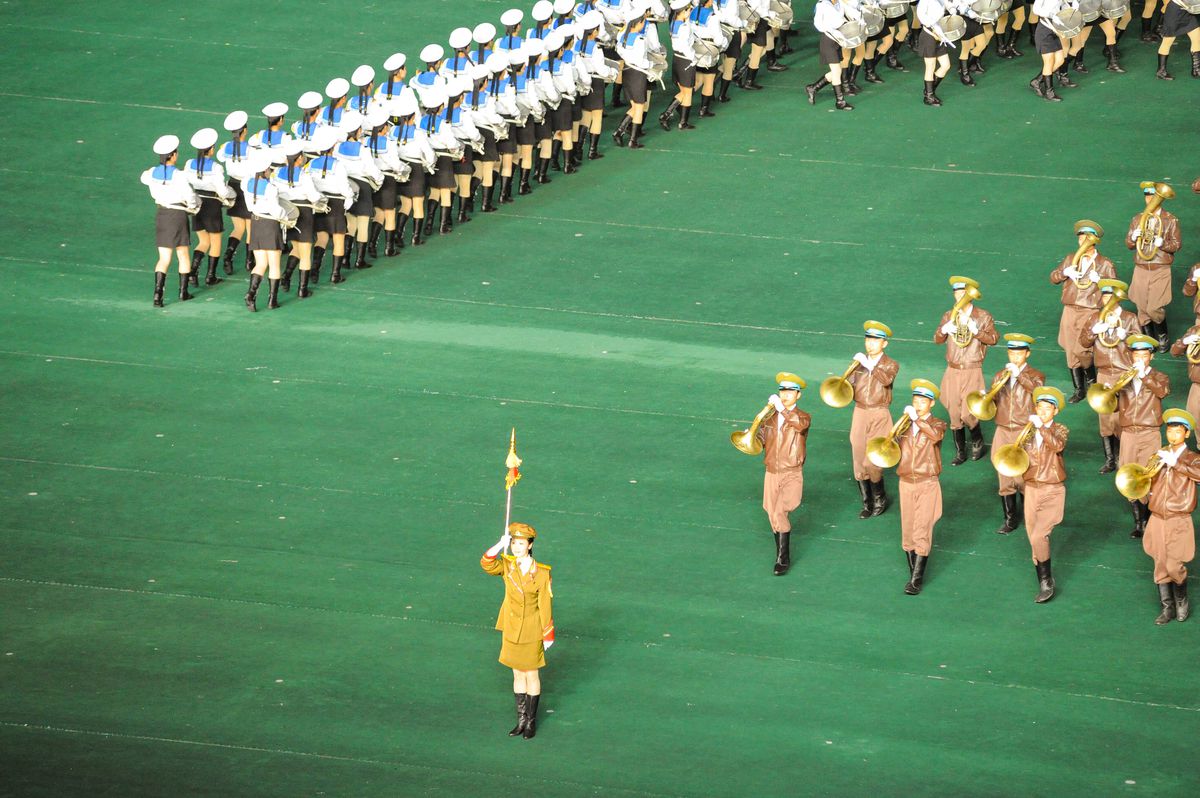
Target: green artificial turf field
240	552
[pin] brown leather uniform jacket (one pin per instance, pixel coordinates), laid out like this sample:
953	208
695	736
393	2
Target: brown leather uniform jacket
1145	409
1116	358
1179	348
785	449
1165	255
1046	462
1014	403
874	388
971	355
1173	491
1189	289
921	454
1087	297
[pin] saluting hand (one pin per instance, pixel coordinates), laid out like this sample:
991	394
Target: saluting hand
500	546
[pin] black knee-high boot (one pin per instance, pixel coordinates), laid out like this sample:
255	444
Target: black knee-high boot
524	187
812	88
318	257
1045	582
622	129
303	291
917	579
723	94
160	286
531	708
684	115
488	193
706	106
522	698
555	155
665	117
227	261
594	153
634	136
374	228
430	210
252	294
617	102
289	268
360	256
879	498
212	278
1166	602
960	446
505	189
272	294
864	493
194	274
184	279
446	226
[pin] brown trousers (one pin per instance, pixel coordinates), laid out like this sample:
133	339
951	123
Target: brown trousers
1004	436
1137	446
1069	328
782	492
865	424
1193	400
1109	425
920	509
1150	292
956	384
1171	543
1044	504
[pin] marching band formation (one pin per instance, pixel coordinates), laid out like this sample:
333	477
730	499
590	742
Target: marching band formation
1109	353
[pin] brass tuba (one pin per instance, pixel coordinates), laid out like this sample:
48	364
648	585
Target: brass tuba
1151	225
885	452
747	440
1103	398
837	391
1110	305
962	333
1089	240
1133	480
1011	460
983	405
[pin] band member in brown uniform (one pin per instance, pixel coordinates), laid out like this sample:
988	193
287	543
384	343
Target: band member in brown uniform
525	619
1014	403
1105	333
967	334
1189	345
872	418
1170	536
920	490
784	437
1045	488
1150	288
1139	408
1080	274
1191	287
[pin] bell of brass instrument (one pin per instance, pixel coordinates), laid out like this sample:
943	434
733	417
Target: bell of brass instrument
1110	340
1133	480
983	405
1103	398
747	440
837	391
1089	240
885	452
1011	459
962	333
1151	225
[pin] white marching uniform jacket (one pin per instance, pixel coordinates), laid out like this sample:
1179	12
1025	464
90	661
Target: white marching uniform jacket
359	164
1047	8
929	12
269	139
682	36
169	187
208	179
706	24
233	155
295	184
542	86
386	157
593	57
482	107
329	177
462	126
727	14
634	48
386	96
263	200
441	137
412	145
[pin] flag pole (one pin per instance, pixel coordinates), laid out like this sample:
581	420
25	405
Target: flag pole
513	475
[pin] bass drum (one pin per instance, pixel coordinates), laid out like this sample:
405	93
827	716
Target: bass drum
1114	9
873	19
1089	10
1066	23
952	27
780	16
988	10
707	53
851	34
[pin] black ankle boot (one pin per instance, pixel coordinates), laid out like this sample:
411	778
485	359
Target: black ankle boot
634	136
723	95
1162	72
531	707
783	552
373	230
869	70
444	213
1138	528
1182	608
1166	602
1111	445
522	699
930	98
184	279
839	99
160	285
594	153
543	167
864	492
1011	520
303	291
230	248
750	81
194	274
814	87
1079	380
1078	64
506	190
212	278
706	106
684	115
964	75
1064	79
960	446
917	579
977	445
272	294
879	498
622	129
252	294
488	193
288	269
664	119
893	60
1045	582
360	257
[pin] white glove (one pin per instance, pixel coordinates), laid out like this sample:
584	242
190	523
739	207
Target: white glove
1094	276
500	546
776	403
1136	234
863	361
1142	370
1191	339
1036	421
972	326
948	328
1071	272
1099	327
911	412
1158	241
1013	368
1121	332
1169	457
546	644
1196	275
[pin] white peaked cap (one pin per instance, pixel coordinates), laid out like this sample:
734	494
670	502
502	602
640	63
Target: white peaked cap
376	117
404	105
363	75
236	121
512	16
432	97
567	6
553	41
293	147
640	7
591	19
432	52
309	100
272	110
257	161
165	145
518	56
484	32
496	63
351	121
678	4
542	10
204	138
534	47
310	146
460	38
338	87
479	71
456	86
567	30
325	138
395	61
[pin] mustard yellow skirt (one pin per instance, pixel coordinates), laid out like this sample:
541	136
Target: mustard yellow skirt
522	656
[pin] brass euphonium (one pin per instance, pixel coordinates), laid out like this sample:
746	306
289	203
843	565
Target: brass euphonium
983	405
1011	460
1089	240
962	333
747	440
837	391
1103	398
1110	340
1193	353
1151	225
885	452
1133	480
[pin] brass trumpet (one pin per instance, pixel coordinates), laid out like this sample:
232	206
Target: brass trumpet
983	405
1089	240
1103	398
837	391
1133	480
1011	459
1151	225
885	452
962	333
1110	306
747	440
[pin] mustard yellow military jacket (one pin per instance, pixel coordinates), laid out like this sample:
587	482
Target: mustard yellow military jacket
525	614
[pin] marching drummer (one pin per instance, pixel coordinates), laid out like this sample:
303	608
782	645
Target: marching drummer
207	179
829	16
1050	48
707	27
175	200
933	46
294	183
683	65
636	44
233	156
266	233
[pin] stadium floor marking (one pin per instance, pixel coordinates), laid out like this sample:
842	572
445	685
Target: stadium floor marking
106	102
484	777
674	646
188	42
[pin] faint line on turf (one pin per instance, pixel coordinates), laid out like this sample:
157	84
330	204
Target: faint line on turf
189	42
66	174
836	665
105	102
330	757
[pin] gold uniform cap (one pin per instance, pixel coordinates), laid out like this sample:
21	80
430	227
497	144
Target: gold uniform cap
1139	341
1018	341
1088	226
788	381
1177	416
1147	186
525	531
925	388
1048	393
877	329
958	281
